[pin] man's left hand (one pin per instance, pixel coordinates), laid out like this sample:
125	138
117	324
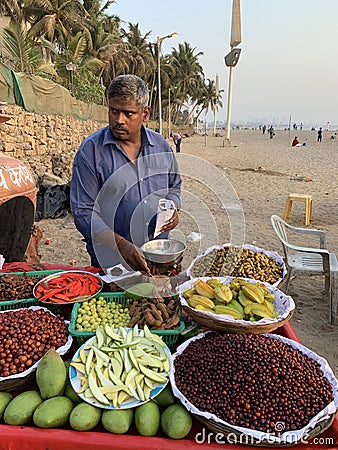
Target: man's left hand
172	223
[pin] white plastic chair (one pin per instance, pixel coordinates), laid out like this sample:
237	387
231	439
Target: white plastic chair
309	260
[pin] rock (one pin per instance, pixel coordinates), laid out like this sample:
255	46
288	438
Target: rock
51	179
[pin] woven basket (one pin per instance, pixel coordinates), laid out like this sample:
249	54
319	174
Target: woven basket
18	384
233	269
219	322
250	440
233	327
25	379
245	436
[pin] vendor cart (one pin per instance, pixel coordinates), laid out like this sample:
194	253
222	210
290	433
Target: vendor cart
33	438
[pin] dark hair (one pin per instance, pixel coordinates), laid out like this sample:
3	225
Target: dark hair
129	87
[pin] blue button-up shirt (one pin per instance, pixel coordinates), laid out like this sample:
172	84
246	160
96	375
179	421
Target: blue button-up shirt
109	191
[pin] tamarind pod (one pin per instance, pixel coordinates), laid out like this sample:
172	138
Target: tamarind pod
172	322
155	312
171	303
164	311
150	319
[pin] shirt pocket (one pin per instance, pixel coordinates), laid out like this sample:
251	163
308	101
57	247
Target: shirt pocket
157	179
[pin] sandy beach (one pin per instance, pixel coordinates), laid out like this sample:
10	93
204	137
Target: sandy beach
230	190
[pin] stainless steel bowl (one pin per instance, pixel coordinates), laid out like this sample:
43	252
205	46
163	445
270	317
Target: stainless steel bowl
163	250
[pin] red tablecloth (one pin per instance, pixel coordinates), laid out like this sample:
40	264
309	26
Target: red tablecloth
33	438
31	267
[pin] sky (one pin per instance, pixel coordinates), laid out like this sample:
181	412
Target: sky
288	66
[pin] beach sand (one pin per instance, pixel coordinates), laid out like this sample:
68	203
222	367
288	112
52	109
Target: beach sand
230	190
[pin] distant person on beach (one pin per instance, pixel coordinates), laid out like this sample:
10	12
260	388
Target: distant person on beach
271	132
264	129
319	135
177	141
295	142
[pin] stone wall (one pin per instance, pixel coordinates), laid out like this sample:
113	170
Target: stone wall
47	143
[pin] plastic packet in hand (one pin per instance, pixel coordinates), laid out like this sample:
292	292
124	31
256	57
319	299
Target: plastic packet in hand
165	210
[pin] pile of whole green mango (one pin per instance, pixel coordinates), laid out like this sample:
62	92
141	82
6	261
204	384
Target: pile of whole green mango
55	404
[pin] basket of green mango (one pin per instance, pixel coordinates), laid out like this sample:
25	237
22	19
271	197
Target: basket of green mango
235	305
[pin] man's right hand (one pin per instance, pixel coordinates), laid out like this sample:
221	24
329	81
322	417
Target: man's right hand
132	256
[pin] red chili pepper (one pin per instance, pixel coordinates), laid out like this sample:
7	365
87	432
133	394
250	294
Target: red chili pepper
63	297
40	289
56	300
93	288
80	298
66	287
50	293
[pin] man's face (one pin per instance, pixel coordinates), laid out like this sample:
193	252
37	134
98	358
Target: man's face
126	118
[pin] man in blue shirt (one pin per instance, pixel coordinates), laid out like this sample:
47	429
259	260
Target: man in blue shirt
119	174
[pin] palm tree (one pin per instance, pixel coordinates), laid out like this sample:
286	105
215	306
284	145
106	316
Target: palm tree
80	31
151	77
52	19
139	55
188	77
75	52
21	52
104	29
13	10
188	70
211	98
106	47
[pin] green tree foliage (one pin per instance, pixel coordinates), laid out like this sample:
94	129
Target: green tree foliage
20	51
89	89
47	35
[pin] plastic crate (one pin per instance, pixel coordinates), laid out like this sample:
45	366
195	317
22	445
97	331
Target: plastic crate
15	304
25	303
37	274
170	337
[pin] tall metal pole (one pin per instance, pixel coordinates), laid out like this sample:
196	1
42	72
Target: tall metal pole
159	42
71	67
232	58
229	103
216	92
169	130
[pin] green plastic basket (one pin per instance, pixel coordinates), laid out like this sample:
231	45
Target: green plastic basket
170	337
37	273
25	303
15	304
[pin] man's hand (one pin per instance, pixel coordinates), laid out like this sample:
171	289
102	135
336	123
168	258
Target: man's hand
171	224
133	256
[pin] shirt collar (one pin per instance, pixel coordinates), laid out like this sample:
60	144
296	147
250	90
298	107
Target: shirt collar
146	137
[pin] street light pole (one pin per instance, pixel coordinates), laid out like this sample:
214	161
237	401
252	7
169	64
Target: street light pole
197	120
159	42
231	59
71	67
169	124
